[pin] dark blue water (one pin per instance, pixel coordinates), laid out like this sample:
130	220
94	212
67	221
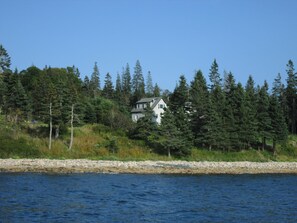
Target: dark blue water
147	198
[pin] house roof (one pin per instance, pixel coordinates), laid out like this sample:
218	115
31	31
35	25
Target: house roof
146	100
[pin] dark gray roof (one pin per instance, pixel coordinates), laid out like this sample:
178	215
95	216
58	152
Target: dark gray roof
146	100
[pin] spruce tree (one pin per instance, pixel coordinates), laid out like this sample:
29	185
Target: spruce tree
95	81
291	95
214	75
138	86
149	85
180	95
170	139
4	59
118	90
157	91
199	98
263	117
126	85
250	122
279	131
108	91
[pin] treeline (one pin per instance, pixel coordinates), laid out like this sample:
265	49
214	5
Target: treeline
223	115
60	98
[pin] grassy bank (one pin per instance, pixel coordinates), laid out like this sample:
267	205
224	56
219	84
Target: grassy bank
99	142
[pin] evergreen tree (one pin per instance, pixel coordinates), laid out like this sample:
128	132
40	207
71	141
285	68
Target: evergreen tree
108	91
279	129
170	139
95	81
180	95
213	137
157	91
145	126
291	95
279	91
2	92
4	59
126	85
138	86
214	75
199	98
118	90
263	118
16	101
86	87
250	122
149	85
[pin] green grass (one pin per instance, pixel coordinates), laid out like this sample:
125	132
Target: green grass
95	142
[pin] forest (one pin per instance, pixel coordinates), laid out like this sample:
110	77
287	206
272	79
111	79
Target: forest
223	115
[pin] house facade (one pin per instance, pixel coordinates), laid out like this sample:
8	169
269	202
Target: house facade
157	104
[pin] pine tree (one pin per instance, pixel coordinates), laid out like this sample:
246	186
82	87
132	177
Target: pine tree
170	139
199	98
279	129
291	95
214	75
138	86
180	95
157	91
108	91
118	90
213	137
2	92
95	81
126	85
149	85
279	91
250	122
263	118
4	59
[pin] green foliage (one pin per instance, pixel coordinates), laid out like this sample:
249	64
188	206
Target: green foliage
4	59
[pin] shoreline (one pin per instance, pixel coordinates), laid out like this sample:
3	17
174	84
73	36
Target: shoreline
144	167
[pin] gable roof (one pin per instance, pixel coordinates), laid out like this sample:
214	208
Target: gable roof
146	100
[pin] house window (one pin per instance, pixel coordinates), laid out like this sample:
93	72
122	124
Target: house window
161	106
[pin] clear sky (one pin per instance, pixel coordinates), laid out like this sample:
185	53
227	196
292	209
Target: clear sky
169	37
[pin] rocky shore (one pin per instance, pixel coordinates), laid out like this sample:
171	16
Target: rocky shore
144	167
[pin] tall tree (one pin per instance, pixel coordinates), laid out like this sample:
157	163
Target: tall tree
279	129
149	85
250	109
138	86
264	120
180	95
170	139
95	81
126	85
157	91
291	95
199	97
108	91
4	59
118	90
214	75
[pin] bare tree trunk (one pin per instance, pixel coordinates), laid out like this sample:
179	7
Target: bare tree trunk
169	154
71	123
51	128
57	132
274	147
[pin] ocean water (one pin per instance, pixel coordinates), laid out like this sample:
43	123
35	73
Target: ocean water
147	198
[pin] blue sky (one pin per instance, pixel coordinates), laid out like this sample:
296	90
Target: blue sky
169	37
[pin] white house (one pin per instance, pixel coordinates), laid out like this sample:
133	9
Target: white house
157	104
